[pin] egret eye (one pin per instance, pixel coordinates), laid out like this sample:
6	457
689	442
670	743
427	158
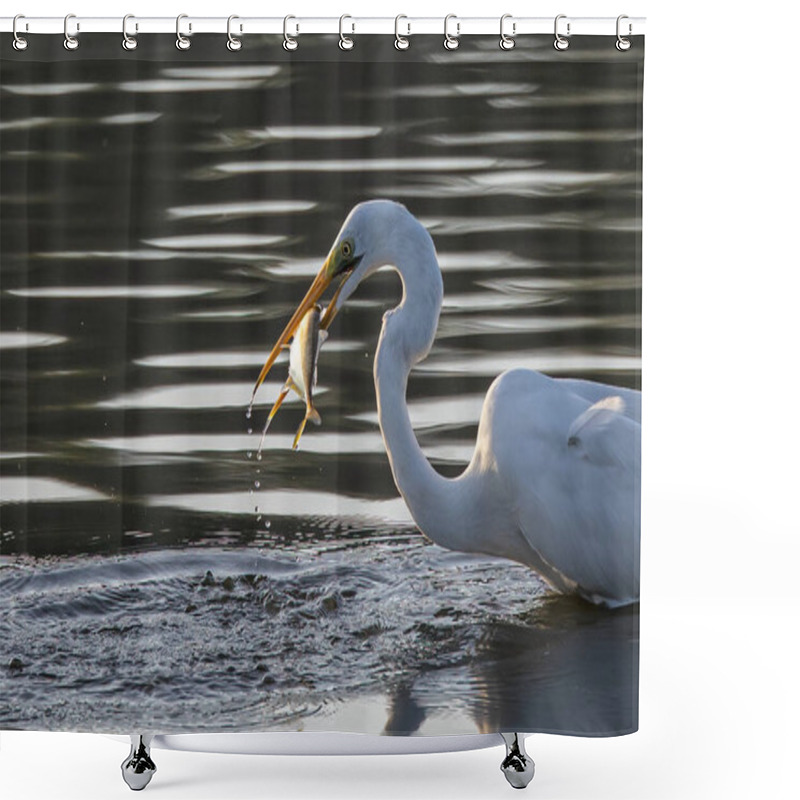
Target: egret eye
347	249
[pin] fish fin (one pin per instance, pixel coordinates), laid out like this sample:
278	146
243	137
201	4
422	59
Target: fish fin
292	385
299	433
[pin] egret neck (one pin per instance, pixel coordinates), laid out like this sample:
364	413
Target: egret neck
442	507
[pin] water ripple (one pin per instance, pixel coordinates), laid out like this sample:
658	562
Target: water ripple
22	340
241	210
108	292
44	490
409	164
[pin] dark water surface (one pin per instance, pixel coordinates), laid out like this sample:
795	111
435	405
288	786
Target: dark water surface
162	215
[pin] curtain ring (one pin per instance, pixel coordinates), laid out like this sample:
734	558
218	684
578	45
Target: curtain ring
507	42
182	42
401	42
70	42
451	42
345	42
289	43
129	42
561	43
623	44
20	42
234	43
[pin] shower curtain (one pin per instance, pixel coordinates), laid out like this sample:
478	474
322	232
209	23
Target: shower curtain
164	212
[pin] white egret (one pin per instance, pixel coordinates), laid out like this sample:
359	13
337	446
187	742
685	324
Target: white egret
554	478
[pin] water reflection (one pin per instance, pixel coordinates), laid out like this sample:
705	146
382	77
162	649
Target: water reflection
140	118
504	137
49	89
108	292
43	490
222	72
180	85
221	240
516	182
319	442
453	661
241	210
555	637
10	340
194	395
437	164
477	89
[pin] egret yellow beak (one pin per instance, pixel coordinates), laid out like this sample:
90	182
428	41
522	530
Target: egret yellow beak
318	287
330	269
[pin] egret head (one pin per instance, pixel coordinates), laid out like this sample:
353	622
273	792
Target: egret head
368	240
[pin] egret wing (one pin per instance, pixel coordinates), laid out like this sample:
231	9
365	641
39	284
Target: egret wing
604	435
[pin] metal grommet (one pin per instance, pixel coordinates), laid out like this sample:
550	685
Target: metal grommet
451	42
345	42
20	42
70	42
401	42
507	42
129	42
561	43
182	42
289	43
622	43
234	44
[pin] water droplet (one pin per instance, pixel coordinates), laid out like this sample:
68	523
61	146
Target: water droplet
256	508
267	524
259	456
251	493
249	412
258	484
258	518
249	431
249	453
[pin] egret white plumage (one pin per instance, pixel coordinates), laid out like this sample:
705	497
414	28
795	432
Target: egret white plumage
554	478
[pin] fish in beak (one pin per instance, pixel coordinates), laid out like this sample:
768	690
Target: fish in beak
340	263
303	355
307	330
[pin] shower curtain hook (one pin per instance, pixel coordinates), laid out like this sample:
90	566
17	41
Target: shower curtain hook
70	42
401	42
345	42
234	44
623	44
561	43
20	42
129	42
451	42
507	42
289	43
182	42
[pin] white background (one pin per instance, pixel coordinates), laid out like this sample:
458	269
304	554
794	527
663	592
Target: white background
720	608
